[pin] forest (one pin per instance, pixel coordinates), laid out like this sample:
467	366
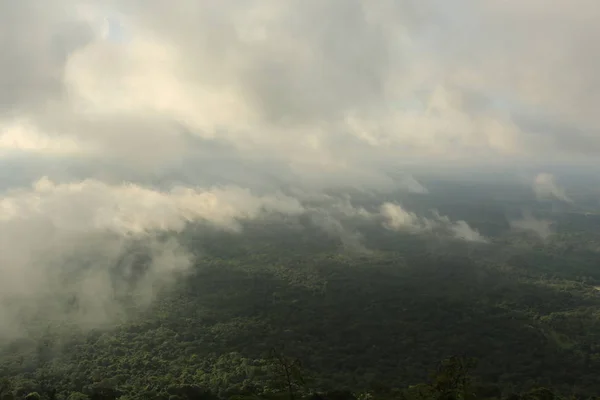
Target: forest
285	310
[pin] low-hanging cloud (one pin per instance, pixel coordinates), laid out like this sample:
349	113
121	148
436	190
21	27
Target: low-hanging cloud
93	243
545	187
133	209
397	218
77	250
528	222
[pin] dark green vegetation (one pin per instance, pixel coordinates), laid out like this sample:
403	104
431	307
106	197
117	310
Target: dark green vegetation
280	312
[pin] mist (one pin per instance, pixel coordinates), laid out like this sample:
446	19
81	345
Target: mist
120	135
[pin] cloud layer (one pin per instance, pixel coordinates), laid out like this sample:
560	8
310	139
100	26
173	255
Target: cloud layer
384	83
86	240
119	119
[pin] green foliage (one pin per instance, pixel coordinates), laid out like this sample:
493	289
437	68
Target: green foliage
77	396
345	326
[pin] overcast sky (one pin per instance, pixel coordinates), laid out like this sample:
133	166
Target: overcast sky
316	87
223	102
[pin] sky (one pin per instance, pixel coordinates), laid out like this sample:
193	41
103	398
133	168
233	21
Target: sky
337	86
122	118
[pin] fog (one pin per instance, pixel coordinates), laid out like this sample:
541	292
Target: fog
121	121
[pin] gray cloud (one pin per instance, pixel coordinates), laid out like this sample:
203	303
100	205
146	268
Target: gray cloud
545	187
211	110
281	79
397	218
463	231
541	227
78	242
76	250
35	44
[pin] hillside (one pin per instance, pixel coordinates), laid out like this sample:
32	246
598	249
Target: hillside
358	322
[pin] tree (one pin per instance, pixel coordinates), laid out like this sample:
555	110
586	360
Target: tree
287	371
539	394
104	393
452	380
5	389
77	396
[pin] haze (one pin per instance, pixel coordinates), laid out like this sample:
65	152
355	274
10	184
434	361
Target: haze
122	123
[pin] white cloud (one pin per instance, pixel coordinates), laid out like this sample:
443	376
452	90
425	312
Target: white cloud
410	184
61	240
20	136
541	227
463	231
131	209
545	187
280	80
64	240
397	218
350	240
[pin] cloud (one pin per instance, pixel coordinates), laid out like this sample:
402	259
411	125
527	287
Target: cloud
16	137
541	227
410	184
351	240
36	43
397	218
76	251
54	276
94	243
463	231
391	82
129	209
545	187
